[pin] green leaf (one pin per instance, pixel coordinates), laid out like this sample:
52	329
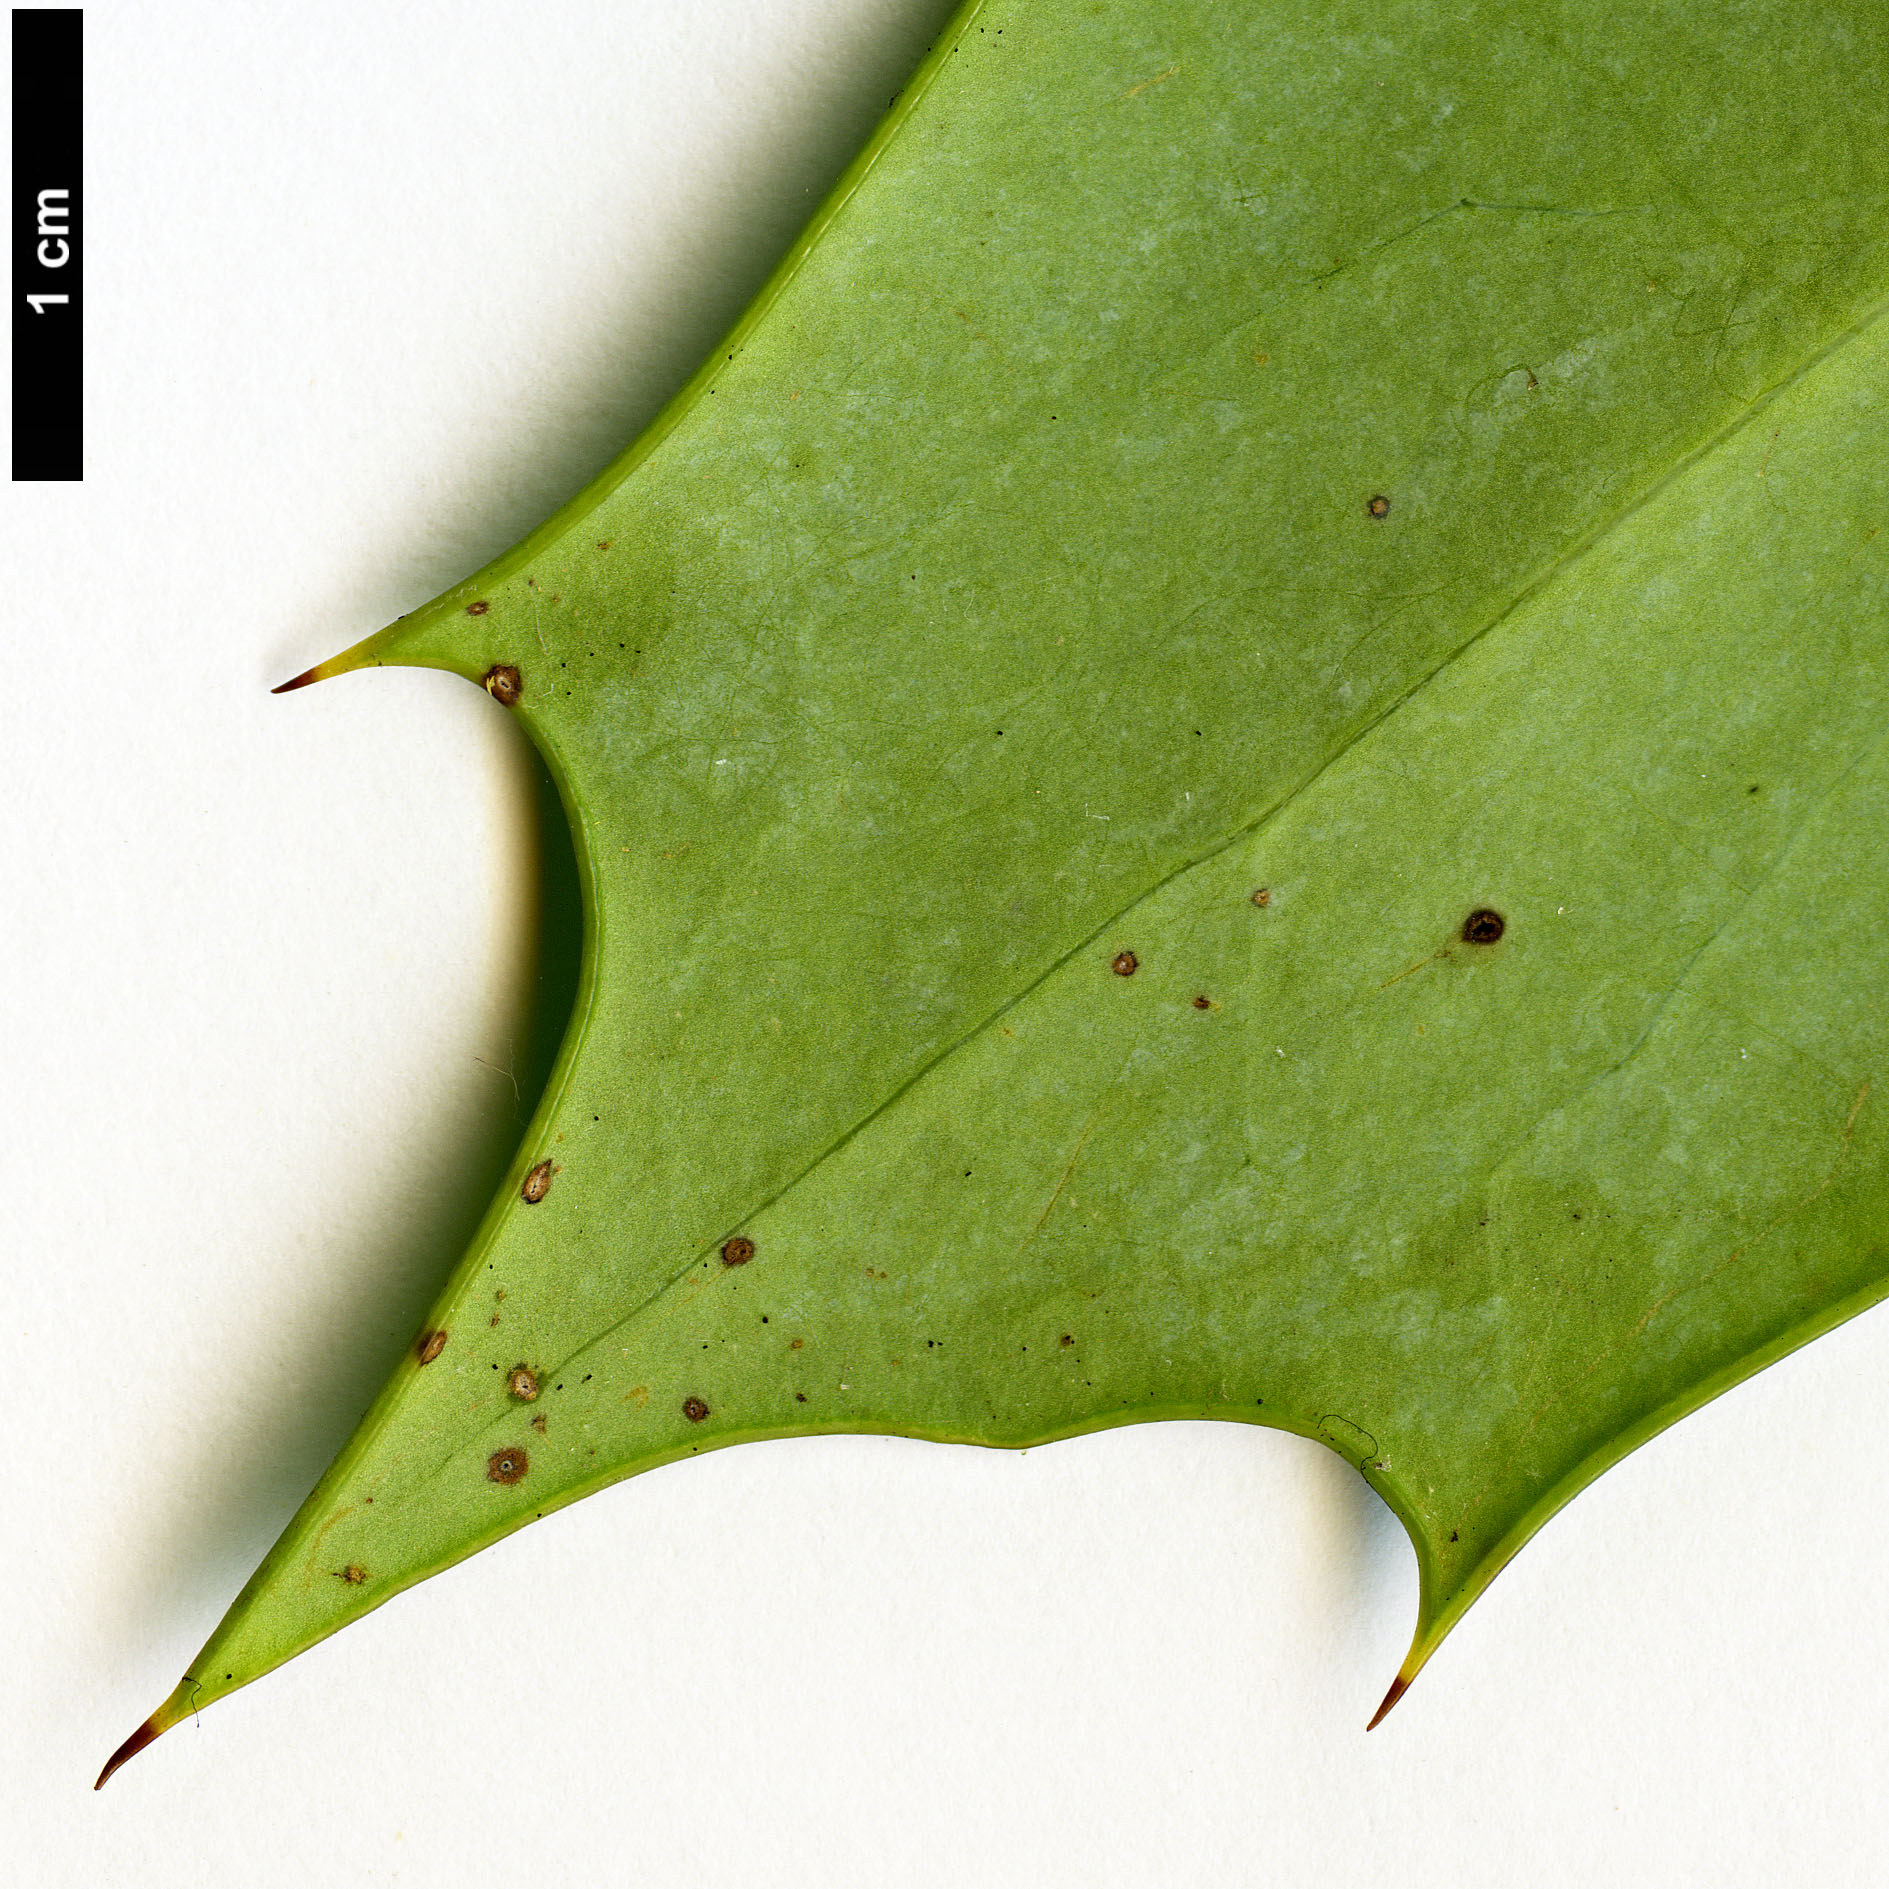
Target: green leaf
1227	762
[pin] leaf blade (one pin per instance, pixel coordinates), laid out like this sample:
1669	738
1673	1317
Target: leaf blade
759	611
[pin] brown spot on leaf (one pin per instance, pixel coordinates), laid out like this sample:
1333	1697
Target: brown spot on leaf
354	1574
1483	926
738	1251
503	683
479	608
506	1466
1125	964
430	1346
523	1384
1067	1339
537	1183
694	1409
1379	507
1263	896
1203	1003
537	1423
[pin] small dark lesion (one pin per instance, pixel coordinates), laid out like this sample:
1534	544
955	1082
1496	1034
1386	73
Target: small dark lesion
523	1383
478	607
538	1183
429	1346
354	1574
1483	926
738	1251
1124	964
507	1466
504	684
1379	505
694	1409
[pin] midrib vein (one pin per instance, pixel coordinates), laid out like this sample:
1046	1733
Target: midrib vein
1552	573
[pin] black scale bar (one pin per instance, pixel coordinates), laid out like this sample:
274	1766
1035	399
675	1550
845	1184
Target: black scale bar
48	276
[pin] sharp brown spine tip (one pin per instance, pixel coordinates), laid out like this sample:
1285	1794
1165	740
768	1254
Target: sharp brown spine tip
1399	1686
298	682
129	1749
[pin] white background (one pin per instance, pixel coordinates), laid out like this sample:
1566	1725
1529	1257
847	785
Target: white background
371	288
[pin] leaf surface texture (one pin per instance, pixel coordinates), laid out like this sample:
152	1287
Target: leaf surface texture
1243	489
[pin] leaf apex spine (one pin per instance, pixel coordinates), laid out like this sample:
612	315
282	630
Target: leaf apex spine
143	1736
1399	1686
